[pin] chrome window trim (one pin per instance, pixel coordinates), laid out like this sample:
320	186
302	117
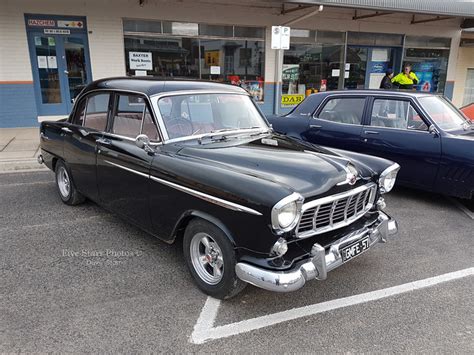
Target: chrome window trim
321	201
203	196
156	97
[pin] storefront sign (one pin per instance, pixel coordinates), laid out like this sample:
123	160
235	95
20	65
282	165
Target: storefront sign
70	24
56	31
291	100
41	23
280	37
211	58
140	60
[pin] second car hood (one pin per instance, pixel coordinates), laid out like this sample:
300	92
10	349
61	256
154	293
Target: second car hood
308	170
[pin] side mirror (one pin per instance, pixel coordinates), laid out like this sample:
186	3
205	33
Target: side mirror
142	141
432	130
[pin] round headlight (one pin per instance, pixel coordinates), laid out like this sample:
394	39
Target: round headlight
388	178
287	215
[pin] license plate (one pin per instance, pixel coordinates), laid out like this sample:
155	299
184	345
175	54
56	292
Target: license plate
354	249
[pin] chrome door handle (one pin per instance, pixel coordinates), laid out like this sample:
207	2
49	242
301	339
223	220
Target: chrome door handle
315	126
65	129
371	132
104	142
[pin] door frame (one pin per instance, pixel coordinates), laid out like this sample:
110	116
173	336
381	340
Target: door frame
54	26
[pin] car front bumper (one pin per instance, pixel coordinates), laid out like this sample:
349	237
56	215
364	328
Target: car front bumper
321	261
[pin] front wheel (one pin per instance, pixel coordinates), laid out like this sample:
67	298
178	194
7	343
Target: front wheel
67	191
210	258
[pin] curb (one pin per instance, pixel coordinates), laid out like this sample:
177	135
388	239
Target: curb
21	165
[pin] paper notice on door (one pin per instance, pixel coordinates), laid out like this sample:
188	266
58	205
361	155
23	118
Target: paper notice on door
375	80
215	70
52	63
335	72
42	62
379	55
140	73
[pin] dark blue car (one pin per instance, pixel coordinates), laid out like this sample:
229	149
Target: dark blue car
431	139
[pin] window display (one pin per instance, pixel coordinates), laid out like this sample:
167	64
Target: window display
228	54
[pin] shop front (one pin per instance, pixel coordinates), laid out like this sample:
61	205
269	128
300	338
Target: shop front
60	62
166	49
324	60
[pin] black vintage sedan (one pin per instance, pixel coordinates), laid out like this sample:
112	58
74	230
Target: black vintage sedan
431	139
197	161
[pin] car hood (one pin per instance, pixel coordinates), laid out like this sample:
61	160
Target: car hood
304	168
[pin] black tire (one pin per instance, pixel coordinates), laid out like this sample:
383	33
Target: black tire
69	195
229	284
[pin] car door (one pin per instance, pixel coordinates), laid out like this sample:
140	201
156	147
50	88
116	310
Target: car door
397	131
89	121
337	122
122	167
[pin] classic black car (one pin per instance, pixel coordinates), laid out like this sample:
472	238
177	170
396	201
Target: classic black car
198	161
430	138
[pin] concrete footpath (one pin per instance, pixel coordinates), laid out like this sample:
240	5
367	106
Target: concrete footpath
19	148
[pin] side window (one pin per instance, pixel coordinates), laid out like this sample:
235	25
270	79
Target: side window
396	114
343	110
132	117
96	112
80	113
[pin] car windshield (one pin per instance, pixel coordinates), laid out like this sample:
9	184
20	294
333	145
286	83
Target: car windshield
195	115
443	113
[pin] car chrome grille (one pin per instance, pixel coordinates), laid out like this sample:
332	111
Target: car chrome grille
336	211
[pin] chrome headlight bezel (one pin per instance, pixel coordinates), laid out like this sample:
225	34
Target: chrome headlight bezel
389	175
296	200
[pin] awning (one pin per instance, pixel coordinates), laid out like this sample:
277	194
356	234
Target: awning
457	8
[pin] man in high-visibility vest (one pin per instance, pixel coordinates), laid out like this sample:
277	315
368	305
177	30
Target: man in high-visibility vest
407	79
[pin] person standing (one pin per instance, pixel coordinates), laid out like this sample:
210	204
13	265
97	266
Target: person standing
407	79
386	82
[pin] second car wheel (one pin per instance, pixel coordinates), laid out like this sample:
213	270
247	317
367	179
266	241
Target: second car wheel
211	260
67	190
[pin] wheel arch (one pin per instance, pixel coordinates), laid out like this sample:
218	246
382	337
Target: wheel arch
188	216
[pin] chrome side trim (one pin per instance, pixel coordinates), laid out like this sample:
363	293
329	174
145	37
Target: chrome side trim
206	197
128	169
198	194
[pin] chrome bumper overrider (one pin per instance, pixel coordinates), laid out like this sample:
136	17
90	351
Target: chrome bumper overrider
321	261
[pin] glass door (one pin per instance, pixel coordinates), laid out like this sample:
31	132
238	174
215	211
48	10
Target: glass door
77	72
61	69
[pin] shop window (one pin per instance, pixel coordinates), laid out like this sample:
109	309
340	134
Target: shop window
166	57
249	32
188	52
374	39
236	62
141	26
309	67
216	30
430	66
427	42
469	88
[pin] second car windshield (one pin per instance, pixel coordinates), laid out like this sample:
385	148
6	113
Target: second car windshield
442	112
201	114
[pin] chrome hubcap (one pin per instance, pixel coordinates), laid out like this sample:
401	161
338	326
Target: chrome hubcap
206	257
64	183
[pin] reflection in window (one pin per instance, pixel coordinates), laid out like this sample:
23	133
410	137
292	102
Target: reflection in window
343	110
96	111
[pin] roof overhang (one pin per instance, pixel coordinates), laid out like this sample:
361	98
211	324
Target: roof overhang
455	8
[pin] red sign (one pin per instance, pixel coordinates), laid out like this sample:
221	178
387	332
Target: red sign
41	23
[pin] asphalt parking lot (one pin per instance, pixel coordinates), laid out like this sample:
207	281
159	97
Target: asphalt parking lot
79	279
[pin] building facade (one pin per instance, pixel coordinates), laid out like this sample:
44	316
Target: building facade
51	49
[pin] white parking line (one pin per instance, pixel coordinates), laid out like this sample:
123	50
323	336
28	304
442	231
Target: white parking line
204	329
15	184
462	207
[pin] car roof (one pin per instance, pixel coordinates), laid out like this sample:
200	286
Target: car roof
395	93
151	86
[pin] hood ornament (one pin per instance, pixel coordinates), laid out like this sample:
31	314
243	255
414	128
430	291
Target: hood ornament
351	175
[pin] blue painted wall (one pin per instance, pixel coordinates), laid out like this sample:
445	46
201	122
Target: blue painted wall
449	89
17	106
269	98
